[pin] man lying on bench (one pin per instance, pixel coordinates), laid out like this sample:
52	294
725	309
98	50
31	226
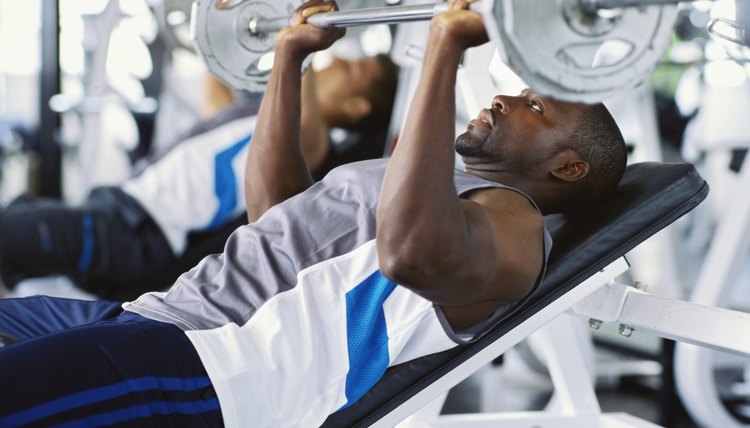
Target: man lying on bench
381	262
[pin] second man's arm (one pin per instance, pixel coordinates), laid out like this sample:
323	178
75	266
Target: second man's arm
276	168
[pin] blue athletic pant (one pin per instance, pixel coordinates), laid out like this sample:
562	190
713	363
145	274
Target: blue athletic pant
89	363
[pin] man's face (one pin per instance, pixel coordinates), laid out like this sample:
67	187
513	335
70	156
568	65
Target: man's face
342	80
517	134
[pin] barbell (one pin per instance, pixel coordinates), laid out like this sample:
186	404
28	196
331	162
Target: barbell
572	50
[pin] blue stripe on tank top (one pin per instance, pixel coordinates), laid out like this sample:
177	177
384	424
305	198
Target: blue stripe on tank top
87	246
225	183
144	411
366	334
100	394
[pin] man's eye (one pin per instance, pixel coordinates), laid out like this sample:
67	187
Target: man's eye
536	106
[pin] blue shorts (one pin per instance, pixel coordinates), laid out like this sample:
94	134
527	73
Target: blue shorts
89	363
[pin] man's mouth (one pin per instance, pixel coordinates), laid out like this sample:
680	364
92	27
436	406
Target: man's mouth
484	119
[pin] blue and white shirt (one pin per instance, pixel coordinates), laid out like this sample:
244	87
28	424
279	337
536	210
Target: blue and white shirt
294	320
198	185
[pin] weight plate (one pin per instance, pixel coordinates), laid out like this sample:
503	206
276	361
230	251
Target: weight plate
220	29
562	52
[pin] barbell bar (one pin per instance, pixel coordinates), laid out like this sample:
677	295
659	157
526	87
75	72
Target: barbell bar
577	50
413	13
351	18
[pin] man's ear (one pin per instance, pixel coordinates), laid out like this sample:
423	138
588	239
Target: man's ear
568	166
357	107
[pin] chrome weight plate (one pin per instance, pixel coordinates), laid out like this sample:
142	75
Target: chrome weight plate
240	59
563	52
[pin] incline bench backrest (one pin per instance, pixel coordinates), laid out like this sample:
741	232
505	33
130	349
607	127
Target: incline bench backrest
649	197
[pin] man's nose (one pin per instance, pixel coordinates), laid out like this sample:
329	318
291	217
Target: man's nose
502	103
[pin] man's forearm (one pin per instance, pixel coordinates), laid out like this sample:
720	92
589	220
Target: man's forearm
275	167
314	138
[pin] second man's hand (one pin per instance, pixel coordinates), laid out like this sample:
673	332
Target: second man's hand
276	168
301	39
